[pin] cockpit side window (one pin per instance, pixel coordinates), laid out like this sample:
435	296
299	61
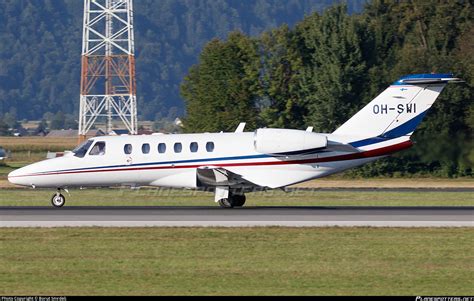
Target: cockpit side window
82	149
98	149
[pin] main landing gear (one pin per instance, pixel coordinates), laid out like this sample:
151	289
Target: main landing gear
233	200
58	200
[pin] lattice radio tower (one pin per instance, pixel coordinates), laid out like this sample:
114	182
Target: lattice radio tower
108	86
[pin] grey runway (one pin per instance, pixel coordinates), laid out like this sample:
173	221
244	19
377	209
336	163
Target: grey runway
237	217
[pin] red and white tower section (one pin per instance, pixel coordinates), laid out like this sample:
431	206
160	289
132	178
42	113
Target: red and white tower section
108	85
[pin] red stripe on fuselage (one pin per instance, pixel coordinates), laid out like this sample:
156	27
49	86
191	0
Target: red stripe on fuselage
354	156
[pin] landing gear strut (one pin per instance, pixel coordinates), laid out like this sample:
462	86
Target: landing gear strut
58	200
234	200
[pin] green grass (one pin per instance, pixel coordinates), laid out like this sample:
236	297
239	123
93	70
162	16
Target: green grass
170	197
22	158
37	144
5	170
237	261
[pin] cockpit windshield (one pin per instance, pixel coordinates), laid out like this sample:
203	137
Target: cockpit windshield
81	150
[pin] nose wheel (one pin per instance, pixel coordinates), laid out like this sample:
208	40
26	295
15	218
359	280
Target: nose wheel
58	200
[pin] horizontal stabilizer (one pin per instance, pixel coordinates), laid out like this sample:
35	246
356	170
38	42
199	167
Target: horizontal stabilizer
421	79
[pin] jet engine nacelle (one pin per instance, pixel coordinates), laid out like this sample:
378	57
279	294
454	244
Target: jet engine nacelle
287	142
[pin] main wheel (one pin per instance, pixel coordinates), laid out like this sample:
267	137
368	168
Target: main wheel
226	203
239	200
58	200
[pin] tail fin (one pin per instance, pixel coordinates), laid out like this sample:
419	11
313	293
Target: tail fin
398	110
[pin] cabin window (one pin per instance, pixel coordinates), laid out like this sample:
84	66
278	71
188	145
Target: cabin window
127	149
82	149
210	147
146	148
161	148
178	147
194	147
98	149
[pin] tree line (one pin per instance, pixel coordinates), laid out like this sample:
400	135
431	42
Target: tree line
329	65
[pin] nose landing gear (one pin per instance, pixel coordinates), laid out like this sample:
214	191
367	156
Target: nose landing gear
58	200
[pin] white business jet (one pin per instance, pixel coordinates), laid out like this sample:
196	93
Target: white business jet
232	164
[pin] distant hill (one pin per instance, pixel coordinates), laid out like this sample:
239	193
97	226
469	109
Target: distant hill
41	41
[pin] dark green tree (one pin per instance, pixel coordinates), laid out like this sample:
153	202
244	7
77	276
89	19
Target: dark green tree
4	128
57	123
337	70
42	127
10	119
222	89
282	103
70	122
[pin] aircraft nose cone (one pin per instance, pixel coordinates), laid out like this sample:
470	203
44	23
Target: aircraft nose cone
17	177
14	175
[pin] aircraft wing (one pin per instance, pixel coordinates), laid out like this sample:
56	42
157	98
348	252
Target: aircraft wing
214	176
219	176
234	177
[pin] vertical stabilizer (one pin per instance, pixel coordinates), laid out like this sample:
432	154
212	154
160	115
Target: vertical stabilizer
398	110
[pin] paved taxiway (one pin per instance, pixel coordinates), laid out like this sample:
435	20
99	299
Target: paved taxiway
237	217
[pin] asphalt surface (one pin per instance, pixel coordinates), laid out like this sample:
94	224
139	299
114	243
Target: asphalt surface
237	217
